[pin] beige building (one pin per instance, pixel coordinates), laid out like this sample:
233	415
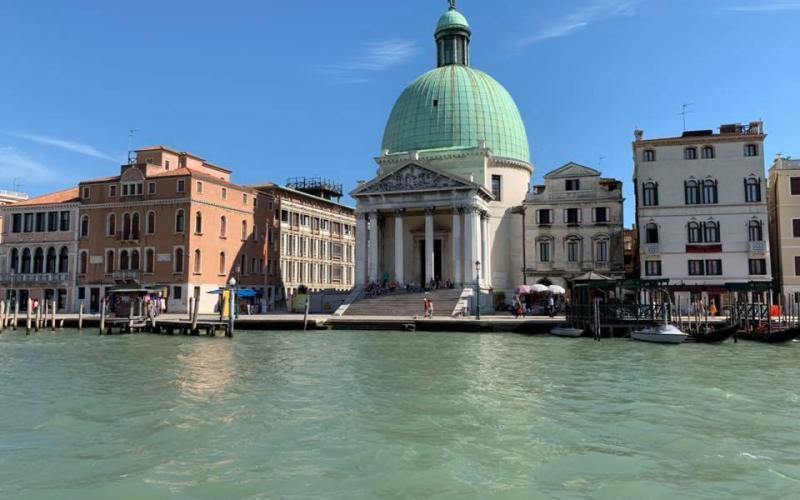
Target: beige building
39	250
173	222
573	225
6	198
783	200
313	239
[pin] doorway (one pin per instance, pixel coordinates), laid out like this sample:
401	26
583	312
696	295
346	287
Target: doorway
437	260
94	300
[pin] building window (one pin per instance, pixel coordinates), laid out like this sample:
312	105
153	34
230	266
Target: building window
697	268
544	217
244	198
50	263
150	261
796	228
601	251
651	233
52	222
224	192
178	265
692	192
63	260
83	263
755	230
151	188
29	223
223	265
181	186
112	190
64	222
751	150
649	155
180	221
85	226
85	193
285	216
25	265
795	185
544	251
198	263
223	227
16	223
711	232
573	250
652	268
695	233
110	262
177	293
752	190
650	194
710	192
796	266
40	222
708	152
497	187
572	216
111	225
714	268
690	154
601	215
151	222
124	260
572	184
758	266
166	164
135	260
126	226
199	186
198	223
135	226
244	231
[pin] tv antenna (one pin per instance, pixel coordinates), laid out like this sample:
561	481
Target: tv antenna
16	186
685	111
131	132
600	161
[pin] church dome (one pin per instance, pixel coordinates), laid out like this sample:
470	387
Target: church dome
455	106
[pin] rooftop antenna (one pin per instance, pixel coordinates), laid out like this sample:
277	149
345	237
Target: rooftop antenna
131	132
600	161
685	111
16	186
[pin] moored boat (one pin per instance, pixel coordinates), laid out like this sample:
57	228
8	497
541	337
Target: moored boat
713	335
773	337
661	334
566	331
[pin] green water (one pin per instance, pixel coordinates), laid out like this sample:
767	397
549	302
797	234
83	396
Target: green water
380	415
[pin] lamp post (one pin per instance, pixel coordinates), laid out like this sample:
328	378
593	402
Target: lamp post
477	289
232	305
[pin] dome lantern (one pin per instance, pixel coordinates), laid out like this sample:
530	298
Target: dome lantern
452	38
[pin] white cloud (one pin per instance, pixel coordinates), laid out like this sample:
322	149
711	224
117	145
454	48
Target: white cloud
75	147
373	57
597	10
16	166
766	7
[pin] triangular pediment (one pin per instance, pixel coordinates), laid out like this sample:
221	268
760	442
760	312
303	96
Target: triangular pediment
413	178
572	170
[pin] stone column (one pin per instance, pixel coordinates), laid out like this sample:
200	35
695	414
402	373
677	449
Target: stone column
361	249
374	265
486	260
458	265
399	275
469	246
429	253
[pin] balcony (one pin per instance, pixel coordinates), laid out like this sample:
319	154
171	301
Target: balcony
127	276
652	249
18	279
757	247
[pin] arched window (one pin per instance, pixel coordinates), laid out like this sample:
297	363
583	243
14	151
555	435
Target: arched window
695	233
38	261
650	194
26	261
110	262
198	263
179	260
151	222
124	260
710	192
50	263
198	223
223	265
180	221
692	192
755	231
690	154
135	260
149	260
244	230
85	226
223	226
711	232
752	190
111	227
135	226
126	226
63	260
651	233
13	263
708	152
83	263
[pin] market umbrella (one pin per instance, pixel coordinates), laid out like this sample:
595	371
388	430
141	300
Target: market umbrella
556	290
538	288
523	290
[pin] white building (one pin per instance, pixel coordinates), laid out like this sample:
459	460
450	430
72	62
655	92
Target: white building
573	225
701	210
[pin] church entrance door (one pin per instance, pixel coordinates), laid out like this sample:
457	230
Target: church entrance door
437	260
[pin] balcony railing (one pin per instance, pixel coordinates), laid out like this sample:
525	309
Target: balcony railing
34	278
757	246
652	249
126	275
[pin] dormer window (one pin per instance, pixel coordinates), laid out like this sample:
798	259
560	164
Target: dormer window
573	184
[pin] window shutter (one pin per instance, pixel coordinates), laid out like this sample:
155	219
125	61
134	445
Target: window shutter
745	190
580	215
758	198
686	192
655	197
566	215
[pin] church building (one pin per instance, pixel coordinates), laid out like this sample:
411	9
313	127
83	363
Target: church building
454	168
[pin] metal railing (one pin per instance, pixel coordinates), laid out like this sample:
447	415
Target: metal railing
34	278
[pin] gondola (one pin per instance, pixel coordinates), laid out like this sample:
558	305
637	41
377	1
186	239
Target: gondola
774	337
713	335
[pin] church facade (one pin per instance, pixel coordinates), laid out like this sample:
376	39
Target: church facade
455	168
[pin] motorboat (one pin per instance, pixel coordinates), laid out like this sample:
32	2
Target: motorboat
566	331
662	334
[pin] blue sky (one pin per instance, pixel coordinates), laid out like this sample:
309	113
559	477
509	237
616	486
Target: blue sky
274	89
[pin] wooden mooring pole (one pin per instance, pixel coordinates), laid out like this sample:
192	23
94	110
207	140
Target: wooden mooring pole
102	316
195	311
2	315
305	315
16	315
28	318
53	315
80	317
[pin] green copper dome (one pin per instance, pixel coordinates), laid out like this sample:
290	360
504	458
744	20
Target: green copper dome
452	19
456	106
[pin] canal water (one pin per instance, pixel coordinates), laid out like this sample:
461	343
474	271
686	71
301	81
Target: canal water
351	415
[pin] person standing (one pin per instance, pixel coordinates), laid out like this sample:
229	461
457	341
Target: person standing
430	308
551	306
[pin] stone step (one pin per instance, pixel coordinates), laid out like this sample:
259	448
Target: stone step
405	304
